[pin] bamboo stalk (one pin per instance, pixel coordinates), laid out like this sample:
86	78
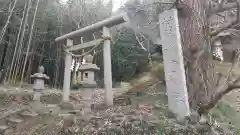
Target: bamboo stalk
8	21
16	46
16	65
29	43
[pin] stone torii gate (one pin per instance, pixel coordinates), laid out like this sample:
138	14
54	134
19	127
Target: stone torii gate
104	26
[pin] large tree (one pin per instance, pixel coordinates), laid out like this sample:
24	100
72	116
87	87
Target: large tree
52	20
201	23
199	32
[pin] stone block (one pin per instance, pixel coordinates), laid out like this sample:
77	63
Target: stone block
174	63
39	108
3	128
68	121
78	107
52	98
28	114
53	109
66	106
98	107
13	122
89	85
37	96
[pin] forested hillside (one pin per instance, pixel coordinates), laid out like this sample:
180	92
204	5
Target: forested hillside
29	28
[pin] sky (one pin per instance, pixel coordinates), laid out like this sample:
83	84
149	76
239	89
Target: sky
116	3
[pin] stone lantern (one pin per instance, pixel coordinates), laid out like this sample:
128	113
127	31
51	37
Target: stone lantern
87	76
38	86
87	72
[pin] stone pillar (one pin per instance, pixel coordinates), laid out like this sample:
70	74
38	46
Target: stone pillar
67	73
107	68
37	96
174	63
79	78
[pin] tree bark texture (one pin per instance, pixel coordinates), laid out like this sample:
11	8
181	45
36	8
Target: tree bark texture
195	44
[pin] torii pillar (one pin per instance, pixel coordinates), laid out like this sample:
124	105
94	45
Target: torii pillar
67	73
107	68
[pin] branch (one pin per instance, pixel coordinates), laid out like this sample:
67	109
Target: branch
229	73
219	77
230	25
7	22
206	107
29	41
140	43
222	8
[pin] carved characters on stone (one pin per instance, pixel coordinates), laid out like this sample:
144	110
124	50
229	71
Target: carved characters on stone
173	63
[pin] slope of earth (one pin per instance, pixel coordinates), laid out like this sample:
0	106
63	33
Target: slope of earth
228	110
17	116
146	114
141	110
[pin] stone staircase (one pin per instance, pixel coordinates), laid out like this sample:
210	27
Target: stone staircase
124	99
16	118
19	114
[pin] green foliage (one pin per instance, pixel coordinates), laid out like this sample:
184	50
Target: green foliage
224	113
157	70
54	19
75	86
127	55
226	109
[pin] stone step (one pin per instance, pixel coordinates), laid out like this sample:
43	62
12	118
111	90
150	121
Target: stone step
12	111
66	106
119	99
71	112
64	114
127	101
98	107
28	114
23	122
130	93
14	121
3	128
118	102
53	108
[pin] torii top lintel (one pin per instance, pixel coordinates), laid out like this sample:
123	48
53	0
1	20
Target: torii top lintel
109	22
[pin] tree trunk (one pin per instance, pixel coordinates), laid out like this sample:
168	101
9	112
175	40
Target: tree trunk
16	65
6	44
195	50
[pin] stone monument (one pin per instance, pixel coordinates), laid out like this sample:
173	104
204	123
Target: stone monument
87	80
38	85
174	63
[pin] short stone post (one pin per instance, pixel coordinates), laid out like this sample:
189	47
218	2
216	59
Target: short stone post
174	63
107	68
67	73
79	78
38	86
